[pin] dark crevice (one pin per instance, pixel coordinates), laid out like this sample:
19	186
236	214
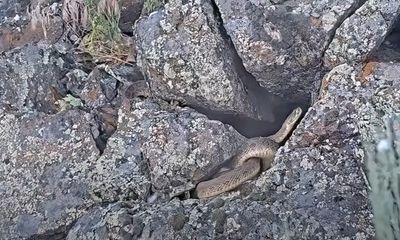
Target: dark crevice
389	50
100	144
333	34
271	108
248	127
105	126
340	22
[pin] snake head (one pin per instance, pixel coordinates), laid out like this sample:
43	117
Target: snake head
295	116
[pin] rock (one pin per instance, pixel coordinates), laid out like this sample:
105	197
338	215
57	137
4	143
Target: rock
362	33
10	9
119	164
130	12
44	163
185	57
282	43
113	221
173	142
29	77
316	183
104	86
99	89
50	164
389	49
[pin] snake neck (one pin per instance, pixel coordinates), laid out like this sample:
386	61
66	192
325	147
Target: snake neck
287	126
279	136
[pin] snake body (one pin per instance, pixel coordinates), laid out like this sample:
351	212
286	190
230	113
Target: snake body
255	156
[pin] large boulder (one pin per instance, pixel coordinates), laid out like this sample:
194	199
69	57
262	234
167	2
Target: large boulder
45	162
186	58
362	33
29	75
282	43
315	189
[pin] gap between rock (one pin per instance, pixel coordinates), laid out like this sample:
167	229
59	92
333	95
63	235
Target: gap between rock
272	108
339	23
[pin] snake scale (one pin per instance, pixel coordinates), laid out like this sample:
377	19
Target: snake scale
253	157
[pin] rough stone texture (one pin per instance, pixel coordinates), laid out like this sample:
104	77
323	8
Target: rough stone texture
9	9
316	188
50	169
43	163
173	144
186	58
281	44
64	176
389	50
96	89
54	184
27	75
101	87
109	222
362	33
130	12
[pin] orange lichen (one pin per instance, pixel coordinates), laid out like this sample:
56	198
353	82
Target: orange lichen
366	71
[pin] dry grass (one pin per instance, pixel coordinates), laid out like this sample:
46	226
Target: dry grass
95	22
75	15
40	16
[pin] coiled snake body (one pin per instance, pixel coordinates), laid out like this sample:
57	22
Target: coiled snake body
254	156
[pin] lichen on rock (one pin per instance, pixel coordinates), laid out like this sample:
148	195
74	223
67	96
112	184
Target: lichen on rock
186	58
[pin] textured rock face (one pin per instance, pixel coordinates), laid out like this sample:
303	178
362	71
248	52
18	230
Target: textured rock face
185	57
152	147
281	44
37	69
130	12
44	167
17	29
119	165
362	33
316	188
171	144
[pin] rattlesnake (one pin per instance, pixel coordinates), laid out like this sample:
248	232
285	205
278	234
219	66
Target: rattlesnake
254	156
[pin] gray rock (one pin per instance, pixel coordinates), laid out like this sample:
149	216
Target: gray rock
316	188
111	222
130	12
186	58
362	33
56	182
281	44
389	50
28	75
49	164
44	160
99	89
26	22
173	143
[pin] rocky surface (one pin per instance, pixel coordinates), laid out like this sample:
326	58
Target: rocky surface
28	75
97	154
362	33
23	22
186	58
44	161
72	177
281	43
130	12
389	50
316	188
